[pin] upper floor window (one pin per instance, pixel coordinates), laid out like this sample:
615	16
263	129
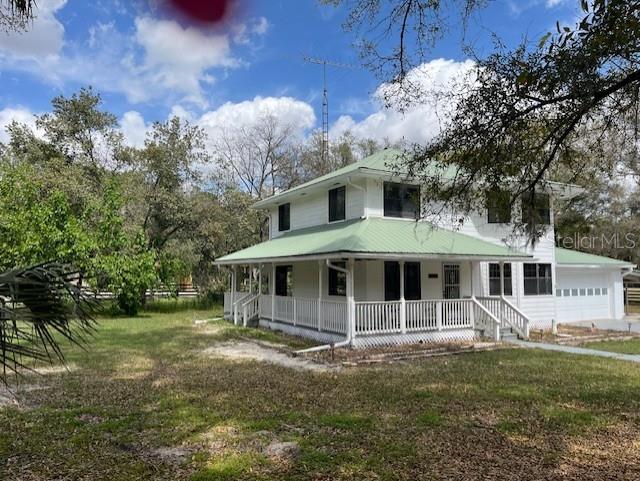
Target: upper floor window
337	198
284	217
338	281
537	279
401	200
499	207
494	280
537	209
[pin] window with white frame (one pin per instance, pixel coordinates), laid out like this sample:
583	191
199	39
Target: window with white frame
537	280
337	201
494	280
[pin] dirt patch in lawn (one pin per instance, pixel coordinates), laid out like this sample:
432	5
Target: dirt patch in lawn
16	396
265	352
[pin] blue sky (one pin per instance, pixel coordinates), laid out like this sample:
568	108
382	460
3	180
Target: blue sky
148	66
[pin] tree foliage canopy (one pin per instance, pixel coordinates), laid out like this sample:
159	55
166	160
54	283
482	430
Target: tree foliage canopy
16	14
523	113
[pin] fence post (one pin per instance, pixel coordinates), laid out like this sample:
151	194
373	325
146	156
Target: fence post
439	315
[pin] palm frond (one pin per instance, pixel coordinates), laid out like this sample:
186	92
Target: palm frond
39	307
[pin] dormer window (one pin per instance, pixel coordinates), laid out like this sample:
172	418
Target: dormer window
284	217
401	200
498	207
337	198
536	210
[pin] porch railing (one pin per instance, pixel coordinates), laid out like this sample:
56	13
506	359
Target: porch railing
233	311
380	317
508	314
330	316
377	317
250	308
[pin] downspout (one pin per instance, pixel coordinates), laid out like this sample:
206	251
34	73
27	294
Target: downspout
365	209
348	340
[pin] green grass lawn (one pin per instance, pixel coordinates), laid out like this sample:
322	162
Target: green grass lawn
144	388
631	346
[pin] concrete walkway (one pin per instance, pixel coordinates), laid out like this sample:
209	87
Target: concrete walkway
575	350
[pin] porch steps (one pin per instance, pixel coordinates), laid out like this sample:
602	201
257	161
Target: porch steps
507	334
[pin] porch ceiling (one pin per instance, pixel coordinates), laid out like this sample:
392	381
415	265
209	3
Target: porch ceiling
373	237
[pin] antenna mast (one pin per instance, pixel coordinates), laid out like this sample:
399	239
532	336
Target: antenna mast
325	100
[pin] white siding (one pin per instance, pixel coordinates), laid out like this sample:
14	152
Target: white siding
313	209
305	280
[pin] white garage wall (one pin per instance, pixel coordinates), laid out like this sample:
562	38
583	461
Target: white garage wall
585	307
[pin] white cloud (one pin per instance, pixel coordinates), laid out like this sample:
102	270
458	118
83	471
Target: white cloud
182	113
286	110
134	128
44	37
553	3
156	59
179	58
417	122
243	32
19	114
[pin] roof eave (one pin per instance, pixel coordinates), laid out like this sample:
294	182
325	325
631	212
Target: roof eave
284	196
594	265
564	191
376	255
359	172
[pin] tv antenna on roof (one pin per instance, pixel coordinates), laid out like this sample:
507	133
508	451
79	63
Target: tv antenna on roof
325	99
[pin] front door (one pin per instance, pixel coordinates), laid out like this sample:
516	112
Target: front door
412	281
451	276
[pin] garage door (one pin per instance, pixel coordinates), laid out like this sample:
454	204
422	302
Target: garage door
582	295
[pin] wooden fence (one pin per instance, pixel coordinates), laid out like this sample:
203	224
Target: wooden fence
632	295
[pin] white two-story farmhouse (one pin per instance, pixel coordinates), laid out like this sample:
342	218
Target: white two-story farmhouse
346	262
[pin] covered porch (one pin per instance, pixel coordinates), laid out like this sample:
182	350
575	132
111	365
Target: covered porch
367	302
372	281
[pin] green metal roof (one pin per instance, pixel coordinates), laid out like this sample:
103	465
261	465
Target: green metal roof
373	236
572	257
384	161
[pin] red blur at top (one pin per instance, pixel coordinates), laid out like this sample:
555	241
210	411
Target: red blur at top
204	11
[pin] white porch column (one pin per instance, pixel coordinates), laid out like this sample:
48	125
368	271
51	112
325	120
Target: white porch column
250	278
273	292
351	303
234	286
501	291
403	304
472	310
320	269
260	279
